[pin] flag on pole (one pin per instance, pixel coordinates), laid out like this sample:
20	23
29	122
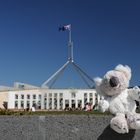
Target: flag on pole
65	27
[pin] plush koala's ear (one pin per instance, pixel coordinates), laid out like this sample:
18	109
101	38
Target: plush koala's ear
125	69
97	81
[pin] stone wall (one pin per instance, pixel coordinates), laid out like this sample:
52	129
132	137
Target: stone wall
61	127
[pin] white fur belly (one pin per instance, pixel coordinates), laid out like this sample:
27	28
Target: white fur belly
116	106
122	104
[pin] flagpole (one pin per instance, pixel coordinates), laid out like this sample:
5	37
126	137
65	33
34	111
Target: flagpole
70	35
70	47
87	79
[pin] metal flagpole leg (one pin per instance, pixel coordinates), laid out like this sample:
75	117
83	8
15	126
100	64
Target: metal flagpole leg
55	74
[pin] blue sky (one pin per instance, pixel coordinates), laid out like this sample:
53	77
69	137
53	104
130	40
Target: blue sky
104	32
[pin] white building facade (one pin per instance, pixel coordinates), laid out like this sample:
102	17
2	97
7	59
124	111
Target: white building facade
51	99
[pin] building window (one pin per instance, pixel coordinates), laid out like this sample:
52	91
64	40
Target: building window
45	104
50	95
85	95
34	104
39	104
45	99
16	96
16	104
22	104
55	100
73	95
61	103
34	96
28	104
79	104
50	103
66	104
39	96
28	96
55	103
91	95
91	100
73	103
22	96
45	95
55	95
61	95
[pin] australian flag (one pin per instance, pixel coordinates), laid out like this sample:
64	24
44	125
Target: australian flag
65	27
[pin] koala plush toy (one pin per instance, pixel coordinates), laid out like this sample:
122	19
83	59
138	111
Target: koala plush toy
117	98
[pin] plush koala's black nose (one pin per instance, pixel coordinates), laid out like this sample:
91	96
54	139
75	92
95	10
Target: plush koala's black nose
114	81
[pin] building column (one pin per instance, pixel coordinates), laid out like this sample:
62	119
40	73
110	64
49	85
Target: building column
47	105
93	99
52	101
83	101
63	103
58	103
76	103
42	101
19	101
70	102
31	100
25	101
88	97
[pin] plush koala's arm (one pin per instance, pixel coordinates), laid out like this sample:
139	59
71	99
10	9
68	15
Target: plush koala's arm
103	105
134	93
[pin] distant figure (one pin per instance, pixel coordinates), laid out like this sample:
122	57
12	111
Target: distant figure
88	107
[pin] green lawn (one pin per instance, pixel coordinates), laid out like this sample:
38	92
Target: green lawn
19	113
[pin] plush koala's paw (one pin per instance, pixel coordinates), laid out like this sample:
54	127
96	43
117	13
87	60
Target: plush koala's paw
137	90
119	124
134	121
103	105
135	93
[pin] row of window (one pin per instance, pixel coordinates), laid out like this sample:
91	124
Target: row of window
37	105
55	95
90	95
34	96
22	96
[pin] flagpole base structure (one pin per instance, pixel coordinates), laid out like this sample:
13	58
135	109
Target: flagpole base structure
84	76
53	78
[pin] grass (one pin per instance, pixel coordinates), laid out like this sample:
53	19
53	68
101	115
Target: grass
20	113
